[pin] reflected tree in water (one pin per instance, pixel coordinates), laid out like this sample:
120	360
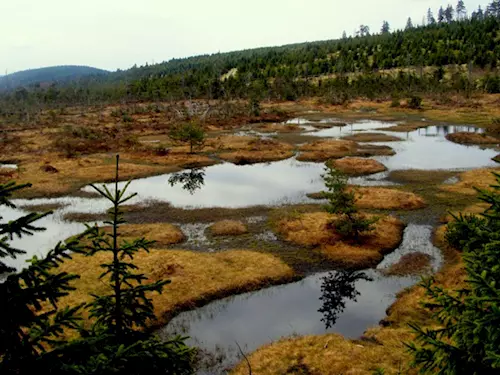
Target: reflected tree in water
191	180
336	289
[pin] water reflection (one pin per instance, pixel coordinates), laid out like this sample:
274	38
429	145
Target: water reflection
192	180
336	289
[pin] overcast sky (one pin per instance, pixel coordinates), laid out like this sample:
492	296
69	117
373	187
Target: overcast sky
116	34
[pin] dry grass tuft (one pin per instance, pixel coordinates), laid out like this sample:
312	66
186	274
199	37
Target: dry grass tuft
387	199
471	138
372	137
75	173
311	230
257	151
164	234
279	128
382	199
480	178
323	150
326	355
413	264
197	278
228	228
358	166
252	157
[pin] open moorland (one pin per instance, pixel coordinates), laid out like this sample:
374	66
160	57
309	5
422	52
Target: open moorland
242	209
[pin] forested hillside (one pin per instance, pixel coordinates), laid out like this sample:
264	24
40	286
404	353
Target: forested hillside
457	50
50	75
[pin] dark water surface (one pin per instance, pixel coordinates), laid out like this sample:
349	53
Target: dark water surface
320	303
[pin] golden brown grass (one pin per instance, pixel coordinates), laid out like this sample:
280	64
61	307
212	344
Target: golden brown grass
471	138
164	234
74	173
387	199
480	178
410	264
280	128
258	151
382	199
252	157
326	355
197	278
372	137
228	228
325	149
358	166
311	229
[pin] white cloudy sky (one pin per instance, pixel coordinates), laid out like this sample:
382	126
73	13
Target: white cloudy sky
112	34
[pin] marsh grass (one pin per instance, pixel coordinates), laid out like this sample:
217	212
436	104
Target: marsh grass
197	278
228	228
311	230
354	166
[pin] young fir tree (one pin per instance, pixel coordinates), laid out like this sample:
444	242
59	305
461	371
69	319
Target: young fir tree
119	340
190	133
28	335
341	202
468	338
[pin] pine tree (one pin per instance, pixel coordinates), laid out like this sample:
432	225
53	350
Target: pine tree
119	341
385	28
341	202
441	15
468	339
461	10
493	9
190	133
409	24
448	13
430	17
26	333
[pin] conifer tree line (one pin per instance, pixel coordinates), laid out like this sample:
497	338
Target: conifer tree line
452	36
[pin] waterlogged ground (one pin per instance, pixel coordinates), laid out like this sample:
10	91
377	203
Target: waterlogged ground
322	302
344	303
277	183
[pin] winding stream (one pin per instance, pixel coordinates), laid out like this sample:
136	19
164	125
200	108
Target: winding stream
320	303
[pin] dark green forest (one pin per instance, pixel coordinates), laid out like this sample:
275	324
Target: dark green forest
51	75
457	50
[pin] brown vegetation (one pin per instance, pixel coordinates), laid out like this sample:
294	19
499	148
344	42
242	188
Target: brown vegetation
228	228
358	166
382	199
164	234
471	138
372	137
197	278
311	229
323	150
480	178
413	264
258	150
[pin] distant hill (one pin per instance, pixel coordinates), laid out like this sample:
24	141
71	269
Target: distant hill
47	76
